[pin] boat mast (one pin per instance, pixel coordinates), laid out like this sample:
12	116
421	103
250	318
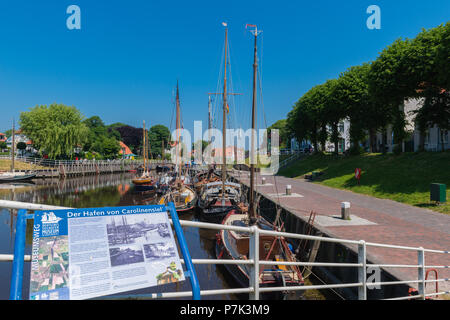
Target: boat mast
178	127
252	206
224	134
13	146
143	147
209	118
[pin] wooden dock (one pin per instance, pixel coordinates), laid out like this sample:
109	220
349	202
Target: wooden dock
72	168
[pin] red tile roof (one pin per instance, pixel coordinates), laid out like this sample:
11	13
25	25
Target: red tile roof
124	146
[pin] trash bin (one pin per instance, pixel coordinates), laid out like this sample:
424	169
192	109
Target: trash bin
438	192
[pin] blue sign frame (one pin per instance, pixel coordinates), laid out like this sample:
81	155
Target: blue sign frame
19	252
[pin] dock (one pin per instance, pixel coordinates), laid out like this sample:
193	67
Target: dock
46	168
371	219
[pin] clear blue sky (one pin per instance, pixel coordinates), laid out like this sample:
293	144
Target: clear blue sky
124	62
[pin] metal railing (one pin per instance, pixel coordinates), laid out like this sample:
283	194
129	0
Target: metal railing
56	163
289	160
254	262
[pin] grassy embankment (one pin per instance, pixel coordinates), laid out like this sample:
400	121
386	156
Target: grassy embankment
5	165
404	178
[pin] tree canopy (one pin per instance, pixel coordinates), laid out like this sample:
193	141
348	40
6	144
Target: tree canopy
56	129
371	95
158	135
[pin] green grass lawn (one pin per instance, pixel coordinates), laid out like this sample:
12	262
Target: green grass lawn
5	165
404	178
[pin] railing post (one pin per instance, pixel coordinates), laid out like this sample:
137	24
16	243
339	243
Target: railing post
362	276
185	252
254	270
421	271
15	292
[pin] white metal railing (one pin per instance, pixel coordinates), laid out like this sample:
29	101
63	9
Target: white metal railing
254	290
56	163
289	160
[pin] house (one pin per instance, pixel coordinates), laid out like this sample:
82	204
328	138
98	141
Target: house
19	137
3	137
435	138
232	154
125	151
344	137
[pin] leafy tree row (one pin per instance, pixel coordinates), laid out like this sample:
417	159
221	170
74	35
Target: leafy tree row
371	94
62	132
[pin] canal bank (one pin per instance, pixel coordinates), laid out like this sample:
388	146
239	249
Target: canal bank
372	220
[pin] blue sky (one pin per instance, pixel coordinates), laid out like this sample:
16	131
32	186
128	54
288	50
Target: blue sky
124	62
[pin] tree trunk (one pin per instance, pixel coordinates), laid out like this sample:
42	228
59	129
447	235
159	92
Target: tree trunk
421	141
336	138
372	140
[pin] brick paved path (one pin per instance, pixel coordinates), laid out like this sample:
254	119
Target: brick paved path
387	222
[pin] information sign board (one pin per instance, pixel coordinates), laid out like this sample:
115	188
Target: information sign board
91	252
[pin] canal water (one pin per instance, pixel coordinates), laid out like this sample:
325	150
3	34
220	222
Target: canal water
108	191
102	191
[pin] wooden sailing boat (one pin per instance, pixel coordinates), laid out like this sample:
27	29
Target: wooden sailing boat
178	191
216	202
145	182
13	176
209	175
235	245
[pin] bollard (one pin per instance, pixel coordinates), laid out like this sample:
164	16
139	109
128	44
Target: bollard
345	210
288	190
263	181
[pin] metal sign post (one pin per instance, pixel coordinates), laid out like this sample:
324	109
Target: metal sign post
358	174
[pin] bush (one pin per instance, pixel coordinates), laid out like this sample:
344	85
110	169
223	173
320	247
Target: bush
397	149
356	150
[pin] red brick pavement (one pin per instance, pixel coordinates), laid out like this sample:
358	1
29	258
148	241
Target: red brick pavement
396	224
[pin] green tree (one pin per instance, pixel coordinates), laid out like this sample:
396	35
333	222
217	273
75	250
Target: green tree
303	120
101	139
158	135
106	146
408	68
283	131
21	146
443	58
56	129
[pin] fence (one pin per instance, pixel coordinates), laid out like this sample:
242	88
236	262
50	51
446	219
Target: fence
65	168
254	262
289	160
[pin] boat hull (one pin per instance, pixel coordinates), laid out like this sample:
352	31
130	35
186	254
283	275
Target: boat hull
240	276
17	178
142	181
181	207
145	187
215	214
229	247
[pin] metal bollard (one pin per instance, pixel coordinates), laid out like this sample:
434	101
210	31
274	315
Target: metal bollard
288	190
345	210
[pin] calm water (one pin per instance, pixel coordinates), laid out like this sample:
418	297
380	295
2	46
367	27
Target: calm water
100	191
